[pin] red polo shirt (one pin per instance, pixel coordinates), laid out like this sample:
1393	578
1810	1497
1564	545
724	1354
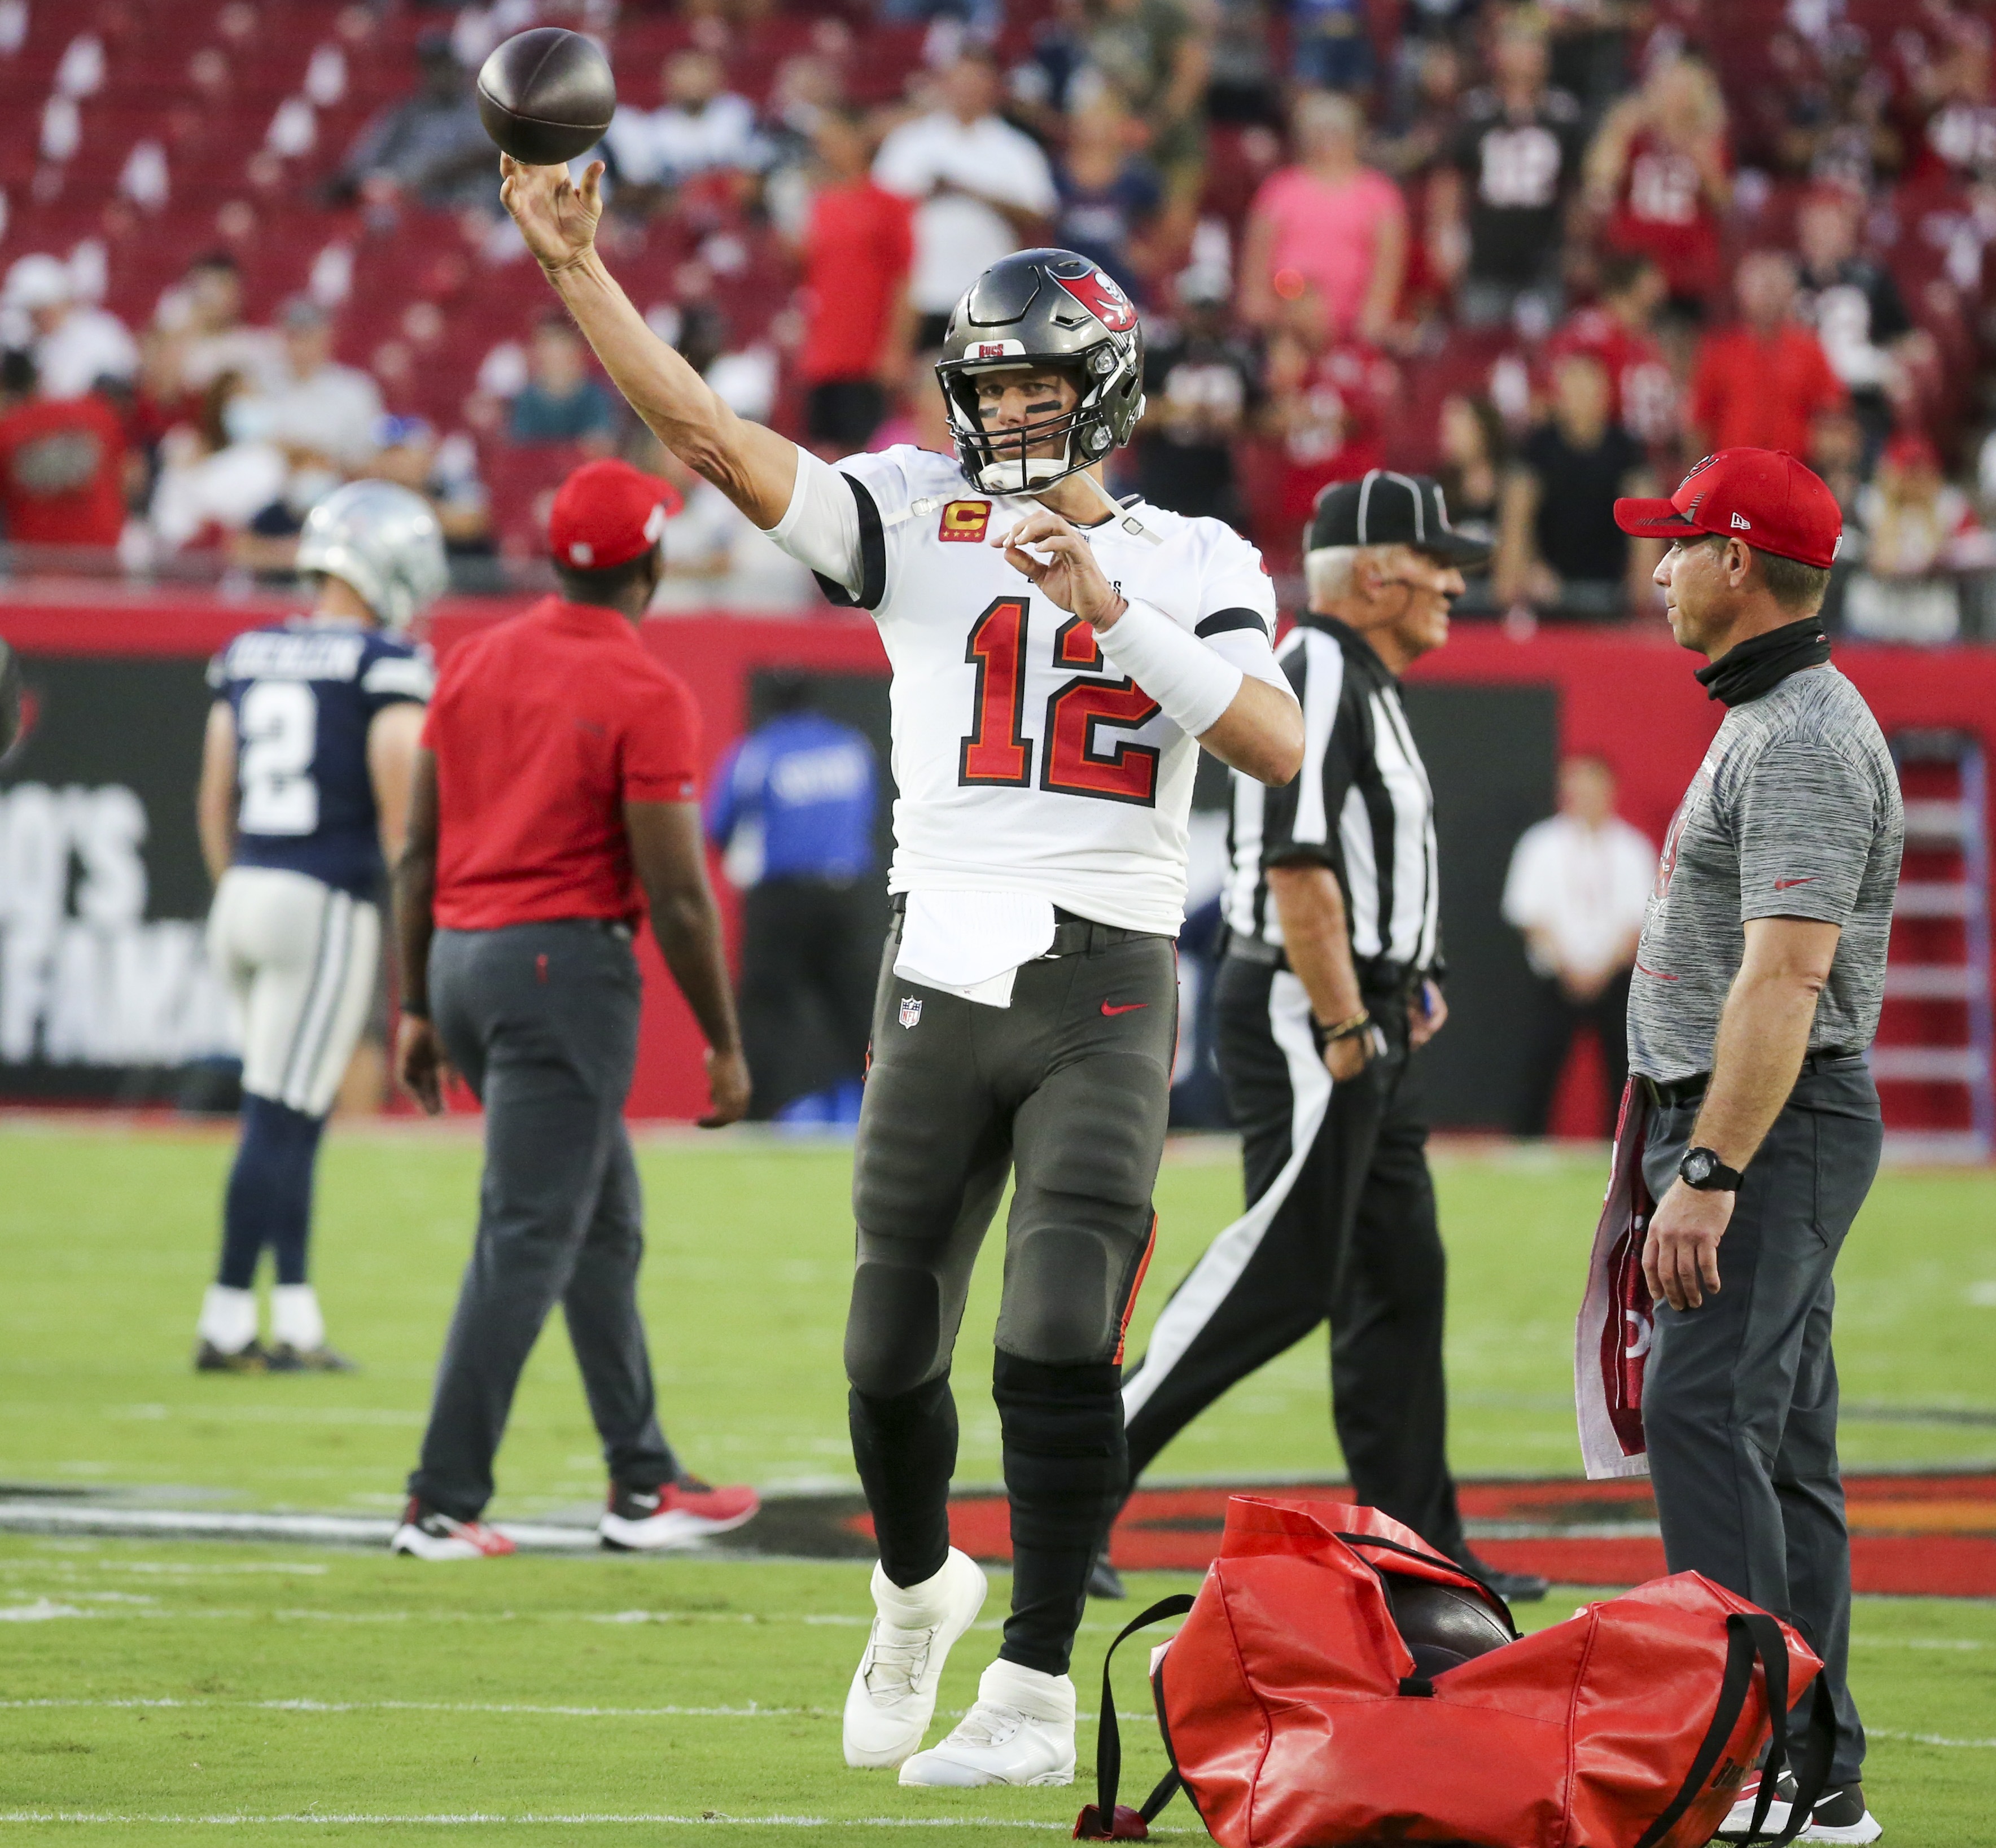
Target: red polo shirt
543	728
1749	393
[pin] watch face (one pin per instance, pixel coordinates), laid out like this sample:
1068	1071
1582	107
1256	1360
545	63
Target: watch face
1698	1167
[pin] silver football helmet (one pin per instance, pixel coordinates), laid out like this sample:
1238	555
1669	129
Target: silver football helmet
382	539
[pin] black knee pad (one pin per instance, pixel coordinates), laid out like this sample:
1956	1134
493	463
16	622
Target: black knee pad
893	1331
1047	1411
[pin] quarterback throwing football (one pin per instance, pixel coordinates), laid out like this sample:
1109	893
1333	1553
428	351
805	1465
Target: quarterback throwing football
1056	656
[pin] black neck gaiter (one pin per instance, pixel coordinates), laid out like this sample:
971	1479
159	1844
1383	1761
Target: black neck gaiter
1759	665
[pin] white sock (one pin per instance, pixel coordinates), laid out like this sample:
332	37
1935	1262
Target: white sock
295	1321
1031	1691
228	1318
912	1606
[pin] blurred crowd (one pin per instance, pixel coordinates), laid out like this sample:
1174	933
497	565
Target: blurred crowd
1554	252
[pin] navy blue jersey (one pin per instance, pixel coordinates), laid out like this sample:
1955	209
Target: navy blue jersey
304	695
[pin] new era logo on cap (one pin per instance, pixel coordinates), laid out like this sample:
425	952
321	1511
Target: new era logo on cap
1787	508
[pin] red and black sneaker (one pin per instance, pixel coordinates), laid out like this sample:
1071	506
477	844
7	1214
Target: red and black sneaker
429	1534
675	1514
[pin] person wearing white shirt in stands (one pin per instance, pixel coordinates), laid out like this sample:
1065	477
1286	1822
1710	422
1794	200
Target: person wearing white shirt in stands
701	125
74	345
323	413
981	184
1577	889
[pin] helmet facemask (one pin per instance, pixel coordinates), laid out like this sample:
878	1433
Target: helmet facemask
999	461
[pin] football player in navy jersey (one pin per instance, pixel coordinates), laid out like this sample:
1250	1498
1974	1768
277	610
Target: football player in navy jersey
304	786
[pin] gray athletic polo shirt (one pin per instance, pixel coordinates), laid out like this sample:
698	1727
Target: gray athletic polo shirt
1794	812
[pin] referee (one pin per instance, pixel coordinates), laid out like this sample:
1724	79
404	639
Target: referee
553	800
1327	985
1758	980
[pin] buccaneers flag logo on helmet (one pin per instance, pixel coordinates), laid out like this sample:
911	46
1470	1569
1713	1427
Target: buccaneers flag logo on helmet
1098	294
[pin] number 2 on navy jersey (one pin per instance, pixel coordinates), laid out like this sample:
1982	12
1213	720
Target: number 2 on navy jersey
997	750
279	725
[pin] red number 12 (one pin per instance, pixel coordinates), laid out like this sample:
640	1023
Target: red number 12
998	751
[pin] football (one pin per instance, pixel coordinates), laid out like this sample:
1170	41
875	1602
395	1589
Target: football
545	96
1442	1626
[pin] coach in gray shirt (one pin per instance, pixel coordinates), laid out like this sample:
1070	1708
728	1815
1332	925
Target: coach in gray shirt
1757	989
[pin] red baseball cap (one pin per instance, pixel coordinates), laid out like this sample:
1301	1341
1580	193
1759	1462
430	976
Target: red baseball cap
607	513
1763	497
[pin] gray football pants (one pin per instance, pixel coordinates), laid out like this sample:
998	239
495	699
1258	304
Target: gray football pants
541	1020
1067	1089
1739	1396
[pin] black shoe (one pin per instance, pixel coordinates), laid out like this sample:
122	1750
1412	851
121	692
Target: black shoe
285	1358
208	1358
1513	1588
1104	1580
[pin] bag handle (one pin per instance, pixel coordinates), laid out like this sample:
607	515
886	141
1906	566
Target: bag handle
1752	1636
1103	1820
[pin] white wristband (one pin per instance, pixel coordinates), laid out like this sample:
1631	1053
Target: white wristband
1192	684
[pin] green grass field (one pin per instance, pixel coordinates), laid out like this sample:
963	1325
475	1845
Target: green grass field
144	1681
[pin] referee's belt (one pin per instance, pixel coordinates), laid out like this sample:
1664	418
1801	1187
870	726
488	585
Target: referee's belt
1380	976
1074	935
1671	1093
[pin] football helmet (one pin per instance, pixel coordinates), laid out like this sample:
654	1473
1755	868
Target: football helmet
1049	308
382	539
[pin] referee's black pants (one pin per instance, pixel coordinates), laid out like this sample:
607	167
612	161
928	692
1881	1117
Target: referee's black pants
1340	1226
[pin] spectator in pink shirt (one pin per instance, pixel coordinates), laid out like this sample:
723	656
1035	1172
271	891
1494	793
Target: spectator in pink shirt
1328	224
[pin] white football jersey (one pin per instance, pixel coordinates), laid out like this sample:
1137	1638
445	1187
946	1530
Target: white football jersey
1025	761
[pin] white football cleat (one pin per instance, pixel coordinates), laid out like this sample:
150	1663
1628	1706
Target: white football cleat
893	1697
1021	1731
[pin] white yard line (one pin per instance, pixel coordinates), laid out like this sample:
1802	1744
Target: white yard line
711	1818
751	1710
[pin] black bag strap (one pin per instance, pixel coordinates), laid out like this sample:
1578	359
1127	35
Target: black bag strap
1102	1821
1753	1636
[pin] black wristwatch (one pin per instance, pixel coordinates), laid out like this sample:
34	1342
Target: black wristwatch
1703	1170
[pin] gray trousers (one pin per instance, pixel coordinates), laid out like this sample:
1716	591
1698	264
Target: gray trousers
541	1020
1739	1396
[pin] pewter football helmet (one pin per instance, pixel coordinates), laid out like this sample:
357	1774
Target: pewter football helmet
1042	308
382	539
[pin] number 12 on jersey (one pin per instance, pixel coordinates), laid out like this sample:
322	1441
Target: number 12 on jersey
997	750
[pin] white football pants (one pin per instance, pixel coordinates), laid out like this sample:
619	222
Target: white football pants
298	959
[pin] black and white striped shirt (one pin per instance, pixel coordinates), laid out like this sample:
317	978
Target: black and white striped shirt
1361	805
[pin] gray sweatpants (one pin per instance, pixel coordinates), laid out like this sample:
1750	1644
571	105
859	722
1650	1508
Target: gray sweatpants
1739	1396
542	1020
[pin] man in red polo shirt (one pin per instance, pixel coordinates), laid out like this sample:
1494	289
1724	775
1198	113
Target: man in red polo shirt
553	801
1762	383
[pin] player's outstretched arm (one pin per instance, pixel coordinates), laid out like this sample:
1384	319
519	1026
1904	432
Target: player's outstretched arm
753	466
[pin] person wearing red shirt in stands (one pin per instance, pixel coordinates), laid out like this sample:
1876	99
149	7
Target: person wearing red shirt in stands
62	465
1761	384
552	805
1325	403
857	245
1658	173
1642	397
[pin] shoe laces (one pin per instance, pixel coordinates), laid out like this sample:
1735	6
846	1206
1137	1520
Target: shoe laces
896	1660
987	1724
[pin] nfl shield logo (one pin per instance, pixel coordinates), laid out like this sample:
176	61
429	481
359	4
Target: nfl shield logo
911	1009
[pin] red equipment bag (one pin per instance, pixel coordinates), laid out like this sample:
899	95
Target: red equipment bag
1293	1719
